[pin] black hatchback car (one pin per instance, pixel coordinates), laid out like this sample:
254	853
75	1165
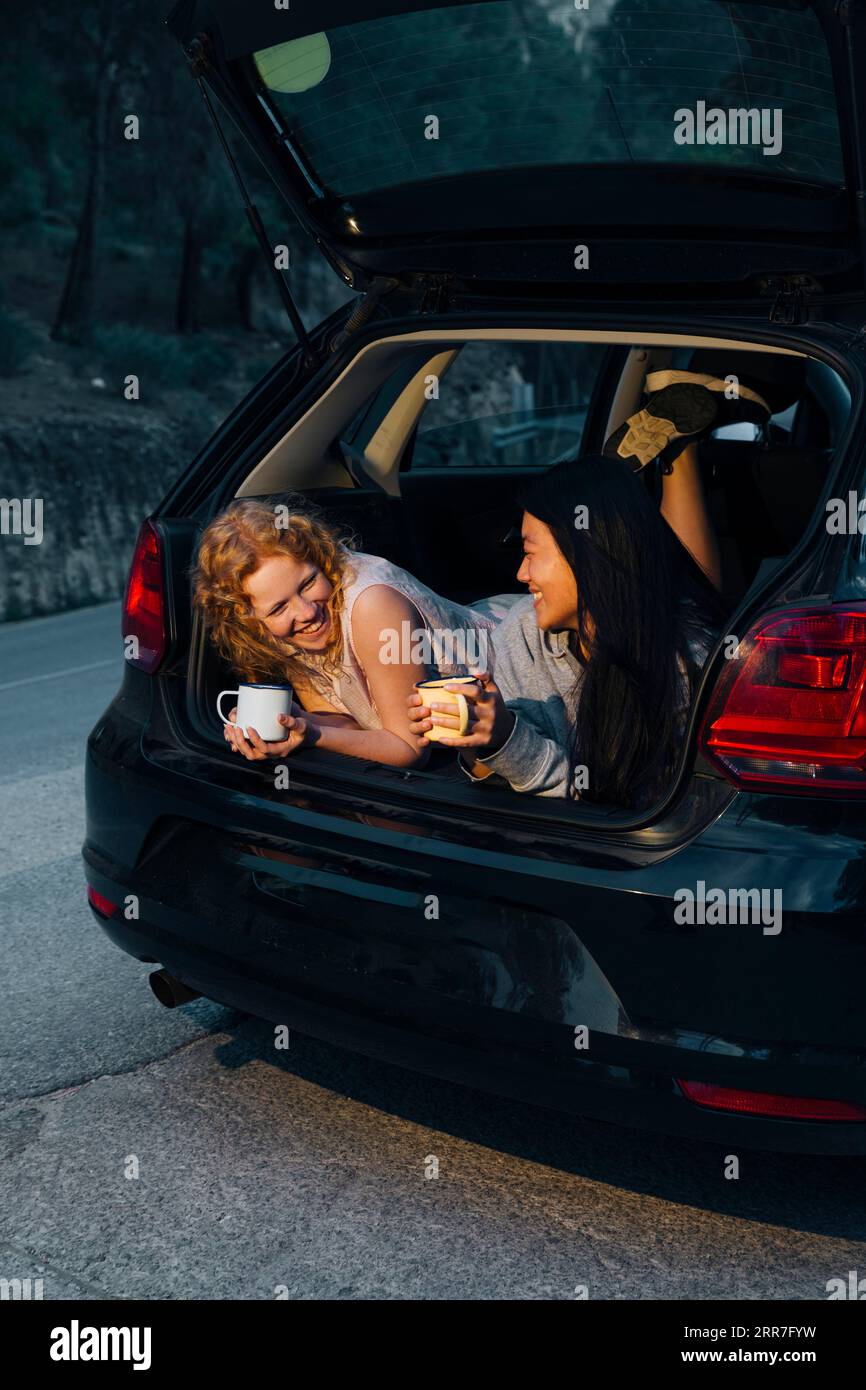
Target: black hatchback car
537	204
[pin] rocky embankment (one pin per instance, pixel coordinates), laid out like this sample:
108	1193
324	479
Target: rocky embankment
98	474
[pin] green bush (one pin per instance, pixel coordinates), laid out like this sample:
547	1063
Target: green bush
161	358
17	345
126	350
204	362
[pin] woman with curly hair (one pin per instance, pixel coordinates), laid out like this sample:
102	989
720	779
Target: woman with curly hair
286	599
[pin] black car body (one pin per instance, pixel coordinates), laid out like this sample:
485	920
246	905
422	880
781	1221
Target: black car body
470	932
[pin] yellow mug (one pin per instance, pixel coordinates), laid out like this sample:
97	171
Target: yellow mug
435	689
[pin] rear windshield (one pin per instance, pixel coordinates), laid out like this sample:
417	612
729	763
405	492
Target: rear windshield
513	83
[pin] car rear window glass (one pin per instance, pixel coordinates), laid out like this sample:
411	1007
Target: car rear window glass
514	83
508	405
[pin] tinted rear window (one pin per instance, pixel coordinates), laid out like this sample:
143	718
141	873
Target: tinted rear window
538	82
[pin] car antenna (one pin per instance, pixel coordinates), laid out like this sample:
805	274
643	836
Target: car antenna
310	354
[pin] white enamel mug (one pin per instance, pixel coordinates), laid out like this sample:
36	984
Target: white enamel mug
258	708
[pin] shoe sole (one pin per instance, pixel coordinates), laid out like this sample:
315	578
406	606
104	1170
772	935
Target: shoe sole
677	410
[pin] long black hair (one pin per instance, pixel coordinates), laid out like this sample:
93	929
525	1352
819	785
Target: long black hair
646	598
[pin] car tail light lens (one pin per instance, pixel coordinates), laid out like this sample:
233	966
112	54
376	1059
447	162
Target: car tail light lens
788	713
99	901
144	608
765	1103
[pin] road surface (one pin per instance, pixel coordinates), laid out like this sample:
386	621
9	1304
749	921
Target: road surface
255	1172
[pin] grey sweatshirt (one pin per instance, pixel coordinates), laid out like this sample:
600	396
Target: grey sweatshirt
537	675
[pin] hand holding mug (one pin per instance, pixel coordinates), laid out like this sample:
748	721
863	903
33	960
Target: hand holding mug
299	732
487	724
266	722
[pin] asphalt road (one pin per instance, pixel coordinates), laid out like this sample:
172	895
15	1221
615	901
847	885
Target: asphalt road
308	1172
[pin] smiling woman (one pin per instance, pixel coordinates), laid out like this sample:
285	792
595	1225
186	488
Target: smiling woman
285	597
270	586
595	672
291	597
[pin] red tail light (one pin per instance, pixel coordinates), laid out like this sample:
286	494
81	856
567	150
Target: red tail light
789	711
144	608
99	901
765	1103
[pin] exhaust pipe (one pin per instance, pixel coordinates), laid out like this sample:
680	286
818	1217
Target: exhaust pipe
171	991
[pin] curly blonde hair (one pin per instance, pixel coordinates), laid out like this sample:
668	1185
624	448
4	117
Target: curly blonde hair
232	547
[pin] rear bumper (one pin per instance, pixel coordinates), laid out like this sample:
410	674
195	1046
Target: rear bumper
343	1011
490	1003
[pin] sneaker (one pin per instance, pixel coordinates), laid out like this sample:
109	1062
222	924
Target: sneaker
683	406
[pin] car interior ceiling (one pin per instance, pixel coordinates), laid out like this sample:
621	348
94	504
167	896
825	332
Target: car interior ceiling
460	534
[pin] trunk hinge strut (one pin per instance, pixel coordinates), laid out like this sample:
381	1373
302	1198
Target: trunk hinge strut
788	305
197	61
790	296
364	309
434	300
435	294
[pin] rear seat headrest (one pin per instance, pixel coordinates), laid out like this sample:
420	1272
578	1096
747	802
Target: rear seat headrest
787	480
790	482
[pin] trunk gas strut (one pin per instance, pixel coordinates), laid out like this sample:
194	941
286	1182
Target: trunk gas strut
310	354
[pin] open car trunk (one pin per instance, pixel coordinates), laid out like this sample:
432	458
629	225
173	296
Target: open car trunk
710	151
452	532
469	162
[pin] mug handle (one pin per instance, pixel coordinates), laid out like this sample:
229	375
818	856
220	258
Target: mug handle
462	712
220	698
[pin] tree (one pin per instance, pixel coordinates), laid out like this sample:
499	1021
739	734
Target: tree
92	37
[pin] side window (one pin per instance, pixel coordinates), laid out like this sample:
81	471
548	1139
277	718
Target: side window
507	405
781	428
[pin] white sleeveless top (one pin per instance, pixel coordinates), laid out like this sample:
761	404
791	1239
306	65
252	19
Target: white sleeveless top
454	638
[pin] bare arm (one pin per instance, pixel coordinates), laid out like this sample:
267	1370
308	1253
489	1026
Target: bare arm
684	508
332	719
379	609
312	703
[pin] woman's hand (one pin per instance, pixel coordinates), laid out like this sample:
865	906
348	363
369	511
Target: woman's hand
419	719
300	733
490	719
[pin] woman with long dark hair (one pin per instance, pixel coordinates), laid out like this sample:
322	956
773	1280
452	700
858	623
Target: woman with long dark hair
594	669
